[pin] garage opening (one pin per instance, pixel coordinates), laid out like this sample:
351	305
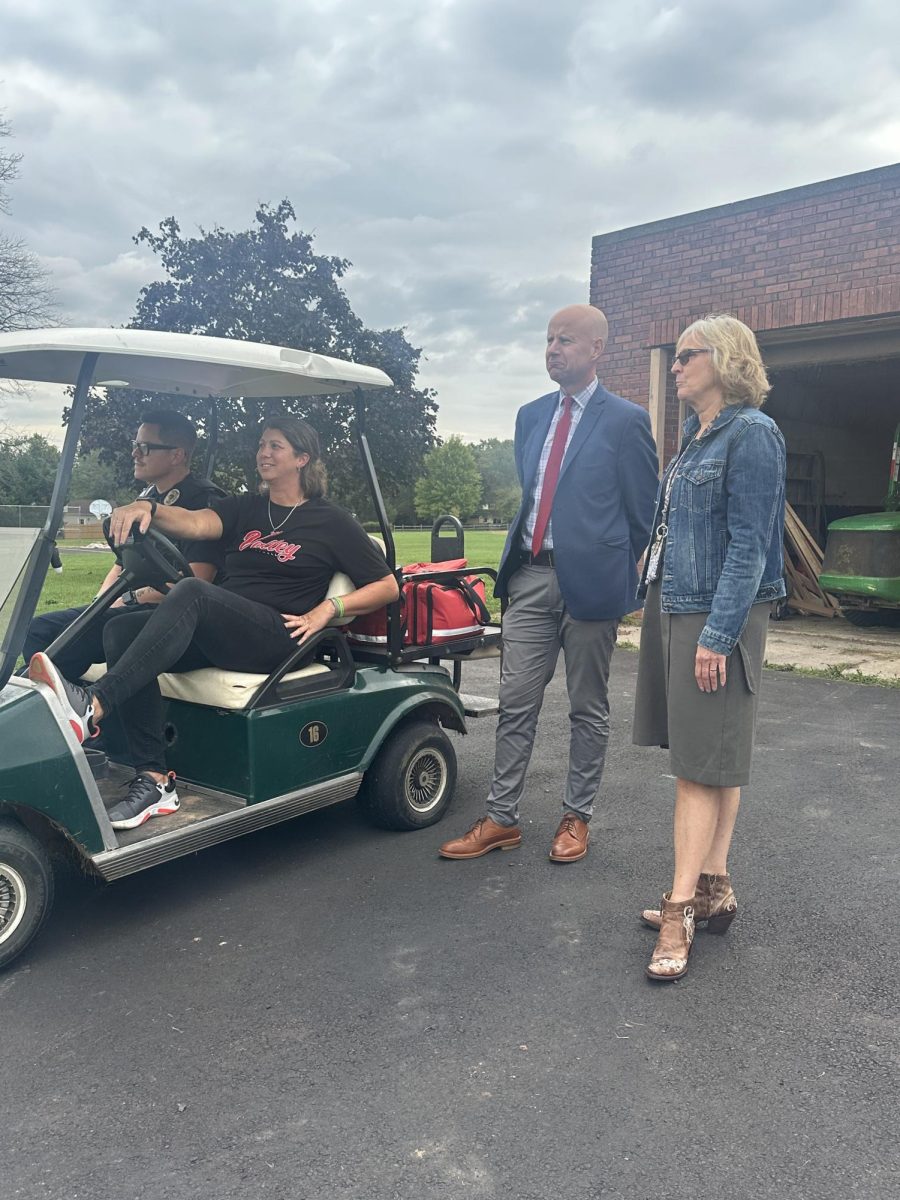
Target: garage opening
838	421
836	396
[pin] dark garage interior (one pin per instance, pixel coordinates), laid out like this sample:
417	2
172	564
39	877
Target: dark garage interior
839	421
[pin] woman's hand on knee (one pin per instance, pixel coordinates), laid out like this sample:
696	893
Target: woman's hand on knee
303	625
709	669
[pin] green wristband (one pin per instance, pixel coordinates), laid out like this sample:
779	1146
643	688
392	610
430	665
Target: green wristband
338	605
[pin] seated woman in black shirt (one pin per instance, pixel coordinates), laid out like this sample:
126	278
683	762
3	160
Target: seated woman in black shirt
281	550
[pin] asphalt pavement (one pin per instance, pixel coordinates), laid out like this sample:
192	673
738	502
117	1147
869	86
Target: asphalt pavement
323	1010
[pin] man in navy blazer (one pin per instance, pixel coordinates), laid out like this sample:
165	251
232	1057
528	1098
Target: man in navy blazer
588	468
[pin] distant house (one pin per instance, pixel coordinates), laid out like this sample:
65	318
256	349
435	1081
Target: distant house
78	512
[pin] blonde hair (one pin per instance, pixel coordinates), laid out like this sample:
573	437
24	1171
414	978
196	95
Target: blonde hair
735	356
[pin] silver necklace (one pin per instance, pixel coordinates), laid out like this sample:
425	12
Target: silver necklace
281	524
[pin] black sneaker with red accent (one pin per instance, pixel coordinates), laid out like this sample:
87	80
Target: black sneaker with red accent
77	702
147	797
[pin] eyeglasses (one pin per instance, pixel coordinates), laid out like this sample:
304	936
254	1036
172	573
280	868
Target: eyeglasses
686	355
144	448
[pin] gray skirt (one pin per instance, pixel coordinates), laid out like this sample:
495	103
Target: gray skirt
709	734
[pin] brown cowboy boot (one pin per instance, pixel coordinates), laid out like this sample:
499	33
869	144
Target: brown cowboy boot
714	902
676	935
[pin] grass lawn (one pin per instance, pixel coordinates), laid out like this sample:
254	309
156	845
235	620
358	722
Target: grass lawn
82	574
78	581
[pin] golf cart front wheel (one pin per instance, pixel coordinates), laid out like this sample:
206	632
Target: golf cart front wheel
410	784
26	888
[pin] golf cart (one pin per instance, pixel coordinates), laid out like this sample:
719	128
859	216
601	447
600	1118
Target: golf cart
862	558
249	750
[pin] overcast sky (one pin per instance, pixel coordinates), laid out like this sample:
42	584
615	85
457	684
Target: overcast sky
462	153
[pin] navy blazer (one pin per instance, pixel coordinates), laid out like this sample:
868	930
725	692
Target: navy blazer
603	507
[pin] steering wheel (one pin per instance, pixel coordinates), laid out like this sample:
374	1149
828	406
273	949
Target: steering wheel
150	559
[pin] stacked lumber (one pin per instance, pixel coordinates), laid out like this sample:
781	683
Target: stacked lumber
802	564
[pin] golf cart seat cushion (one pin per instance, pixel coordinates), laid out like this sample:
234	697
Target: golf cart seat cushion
342	584
213	686
216	688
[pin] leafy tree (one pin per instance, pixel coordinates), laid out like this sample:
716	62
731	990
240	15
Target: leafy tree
25	297
451	483
404	511
27	469
266	284
497	464
93	479
506	503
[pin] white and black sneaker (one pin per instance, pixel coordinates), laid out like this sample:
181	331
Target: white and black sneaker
76	701
147	797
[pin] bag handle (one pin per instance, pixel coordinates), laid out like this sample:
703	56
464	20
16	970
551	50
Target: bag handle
474	601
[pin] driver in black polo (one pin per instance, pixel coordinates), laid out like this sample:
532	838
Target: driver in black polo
161	452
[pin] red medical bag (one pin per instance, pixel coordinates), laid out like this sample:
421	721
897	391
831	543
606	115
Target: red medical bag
436	611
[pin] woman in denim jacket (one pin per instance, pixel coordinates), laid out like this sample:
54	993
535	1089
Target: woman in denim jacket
713	568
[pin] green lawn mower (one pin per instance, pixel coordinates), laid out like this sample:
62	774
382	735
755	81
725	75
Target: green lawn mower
862	558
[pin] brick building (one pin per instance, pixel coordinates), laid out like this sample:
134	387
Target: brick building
815	272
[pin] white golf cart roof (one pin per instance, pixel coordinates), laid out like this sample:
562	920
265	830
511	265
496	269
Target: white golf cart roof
179	363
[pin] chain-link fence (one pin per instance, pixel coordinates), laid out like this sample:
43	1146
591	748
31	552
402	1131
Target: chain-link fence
23	516
27	516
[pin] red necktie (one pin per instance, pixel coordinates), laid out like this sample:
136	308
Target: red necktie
551	475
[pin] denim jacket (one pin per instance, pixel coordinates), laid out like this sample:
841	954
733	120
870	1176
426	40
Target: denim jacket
723	552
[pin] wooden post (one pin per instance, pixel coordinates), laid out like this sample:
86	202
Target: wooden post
659	367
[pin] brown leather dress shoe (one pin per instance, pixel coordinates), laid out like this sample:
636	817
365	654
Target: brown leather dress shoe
484	836
571	840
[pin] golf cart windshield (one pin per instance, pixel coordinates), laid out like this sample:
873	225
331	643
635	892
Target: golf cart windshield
177	364
16	545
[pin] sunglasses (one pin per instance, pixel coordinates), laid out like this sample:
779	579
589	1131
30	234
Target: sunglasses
686	355
144	448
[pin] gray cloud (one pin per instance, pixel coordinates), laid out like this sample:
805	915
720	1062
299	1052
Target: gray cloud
767	62
462	154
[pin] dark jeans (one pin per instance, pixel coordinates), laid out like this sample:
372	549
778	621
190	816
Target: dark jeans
85	650
197	625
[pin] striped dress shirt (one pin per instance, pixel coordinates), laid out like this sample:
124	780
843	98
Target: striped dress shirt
580	403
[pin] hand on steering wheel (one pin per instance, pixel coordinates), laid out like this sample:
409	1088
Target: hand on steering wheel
149	557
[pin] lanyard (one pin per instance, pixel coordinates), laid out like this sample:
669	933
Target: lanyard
662	529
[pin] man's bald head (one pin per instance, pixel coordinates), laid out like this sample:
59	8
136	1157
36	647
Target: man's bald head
585	317
576	337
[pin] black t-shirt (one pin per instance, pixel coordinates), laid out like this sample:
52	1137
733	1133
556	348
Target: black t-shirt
289	568
192	493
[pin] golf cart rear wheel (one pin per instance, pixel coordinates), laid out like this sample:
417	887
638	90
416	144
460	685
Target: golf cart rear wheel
26	888
410	784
